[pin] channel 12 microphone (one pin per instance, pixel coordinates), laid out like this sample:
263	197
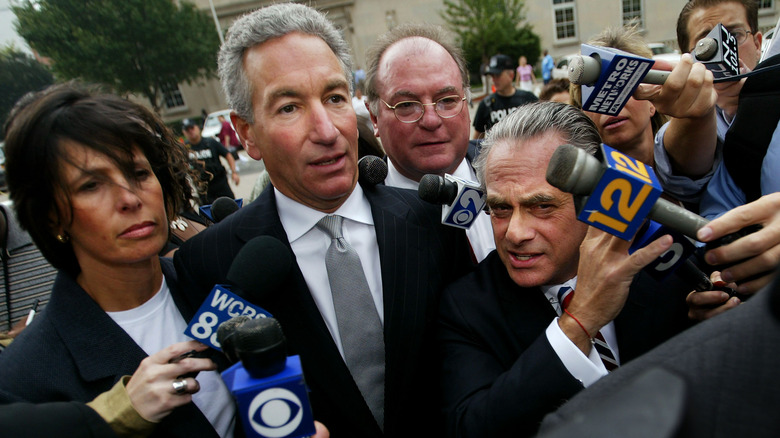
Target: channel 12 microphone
372	170
268	386
636	188
462	201
221	208
260	265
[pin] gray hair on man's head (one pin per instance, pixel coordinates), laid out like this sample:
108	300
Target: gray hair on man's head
535	119
265	24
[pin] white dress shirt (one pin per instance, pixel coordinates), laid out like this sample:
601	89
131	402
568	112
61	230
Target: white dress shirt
309	244
586	369
480	234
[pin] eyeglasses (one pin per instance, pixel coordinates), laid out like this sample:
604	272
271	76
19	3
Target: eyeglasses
410	111
740	34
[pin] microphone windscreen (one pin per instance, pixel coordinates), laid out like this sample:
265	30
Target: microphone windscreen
372	170
573	170
261	346
225	335
223	207
436	190
261	264
705	49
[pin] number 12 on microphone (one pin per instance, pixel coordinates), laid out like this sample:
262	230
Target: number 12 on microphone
623	196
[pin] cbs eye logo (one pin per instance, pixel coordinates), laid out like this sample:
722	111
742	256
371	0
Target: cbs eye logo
275	412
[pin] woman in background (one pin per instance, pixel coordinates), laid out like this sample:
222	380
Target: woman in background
525	75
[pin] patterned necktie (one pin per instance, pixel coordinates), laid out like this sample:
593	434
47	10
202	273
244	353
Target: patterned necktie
360	328
565	295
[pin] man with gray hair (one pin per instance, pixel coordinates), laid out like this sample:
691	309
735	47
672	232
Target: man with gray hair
417	86
514	340
368	262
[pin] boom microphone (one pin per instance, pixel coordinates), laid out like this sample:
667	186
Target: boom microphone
258	268
268	386
461	200
372	170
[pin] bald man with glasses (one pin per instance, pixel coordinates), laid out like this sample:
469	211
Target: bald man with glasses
417	87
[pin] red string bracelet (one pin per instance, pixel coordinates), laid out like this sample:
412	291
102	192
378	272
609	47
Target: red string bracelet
580	324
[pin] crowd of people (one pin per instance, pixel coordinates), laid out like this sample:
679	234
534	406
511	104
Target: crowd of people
528	323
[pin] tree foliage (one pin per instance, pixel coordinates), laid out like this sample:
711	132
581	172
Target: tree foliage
133	46
488	27
20	73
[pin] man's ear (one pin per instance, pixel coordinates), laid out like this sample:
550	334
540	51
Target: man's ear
373	119
247	136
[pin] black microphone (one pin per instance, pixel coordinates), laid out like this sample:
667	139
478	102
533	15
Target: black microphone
223	207
437	190
259	267
268	386
226	334
461	200
372	170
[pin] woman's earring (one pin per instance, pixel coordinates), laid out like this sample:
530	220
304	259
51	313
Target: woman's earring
63	238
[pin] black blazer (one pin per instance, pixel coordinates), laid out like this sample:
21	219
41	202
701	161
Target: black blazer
418	257
727	364
74	351
500	375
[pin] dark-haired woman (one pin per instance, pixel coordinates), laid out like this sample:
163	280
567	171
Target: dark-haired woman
94	179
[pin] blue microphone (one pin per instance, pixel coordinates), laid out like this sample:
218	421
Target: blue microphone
668	262
268	386
261	264
462	201
610	76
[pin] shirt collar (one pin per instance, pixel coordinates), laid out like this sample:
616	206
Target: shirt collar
297	219
395	179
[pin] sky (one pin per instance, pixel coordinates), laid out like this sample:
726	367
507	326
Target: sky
7	33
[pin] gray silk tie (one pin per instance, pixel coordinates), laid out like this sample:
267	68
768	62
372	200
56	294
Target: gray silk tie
360	328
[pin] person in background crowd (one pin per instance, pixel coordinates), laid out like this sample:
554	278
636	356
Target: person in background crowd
557	90
204	158
108	175
505	100
525	75
227	136
547	66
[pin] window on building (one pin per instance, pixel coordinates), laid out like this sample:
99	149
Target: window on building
632	11
766	4
564	12
172	95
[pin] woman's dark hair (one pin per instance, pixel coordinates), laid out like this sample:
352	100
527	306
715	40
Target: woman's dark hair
38	131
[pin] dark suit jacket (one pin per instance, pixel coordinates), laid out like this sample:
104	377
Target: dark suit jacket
418	257
500	375
74	351
728	365
68	419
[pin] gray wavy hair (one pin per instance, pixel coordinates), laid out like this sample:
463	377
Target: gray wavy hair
535	119
265	24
